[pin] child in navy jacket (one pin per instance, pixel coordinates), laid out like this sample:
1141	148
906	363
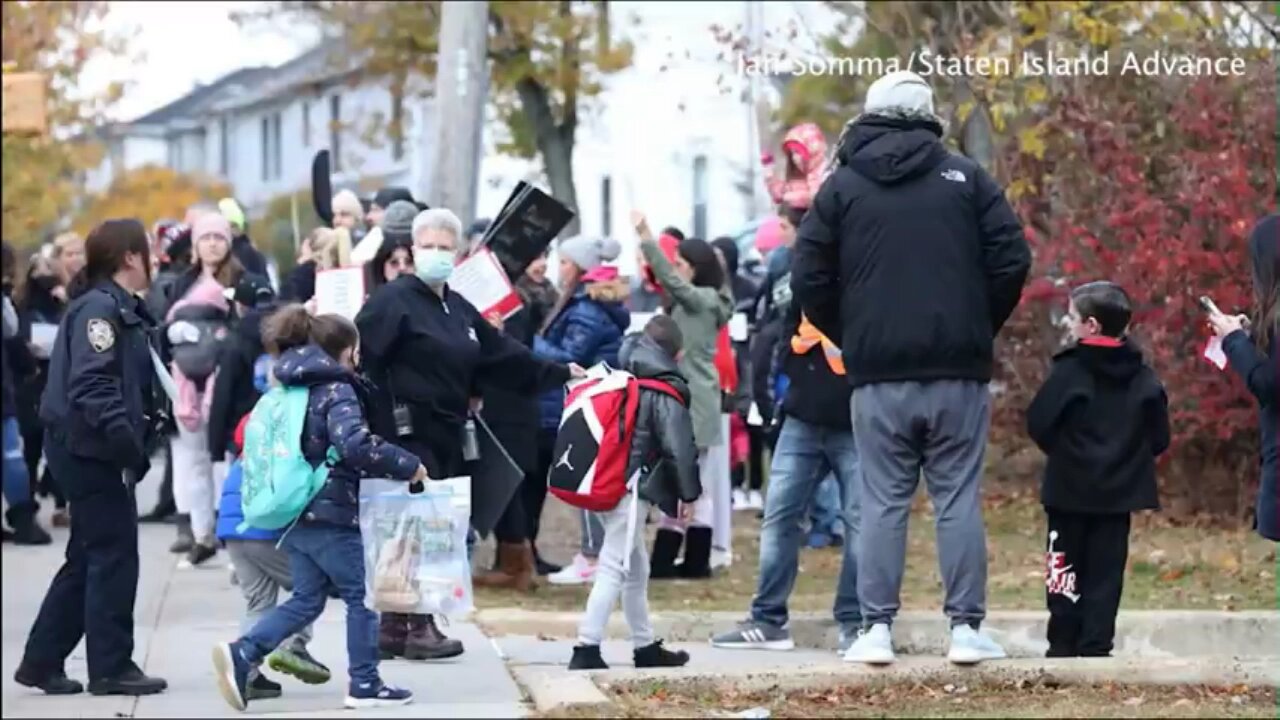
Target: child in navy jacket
324	546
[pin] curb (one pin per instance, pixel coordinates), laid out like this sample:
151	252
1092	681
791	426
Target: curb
1169	634
557	688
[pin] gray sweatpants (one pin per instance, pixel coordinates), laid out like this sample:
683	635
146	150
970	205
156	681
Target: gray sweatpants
262	570
939	428
613	580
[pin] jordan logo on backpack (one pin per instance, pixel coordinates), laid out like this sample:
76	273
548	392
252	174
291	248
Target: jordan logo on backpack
594	442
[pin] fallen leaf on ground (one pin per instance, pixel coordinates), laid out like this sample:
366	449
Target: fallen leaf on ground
1171	575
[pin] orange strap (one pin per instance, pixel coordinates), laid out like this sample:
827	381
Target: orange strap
807	336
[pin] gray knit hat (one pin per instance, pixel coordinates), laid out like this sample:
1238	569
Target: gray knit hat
397	221
589	252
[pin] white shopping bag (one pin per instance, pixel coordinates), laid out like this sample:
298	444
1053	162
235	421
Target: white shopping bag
415	546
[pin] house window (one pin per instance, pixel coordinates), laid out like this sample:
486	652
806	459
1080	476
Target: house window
700	196
266	148
224	147
335	134
277	148
606	206
397	125
306	123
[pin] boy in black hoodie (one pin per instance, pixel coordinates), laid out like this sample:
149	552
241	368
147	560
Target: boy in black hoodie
1102	417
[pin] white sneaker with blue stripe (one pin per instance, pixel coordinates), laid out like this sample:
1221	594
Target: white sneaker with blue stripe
752	635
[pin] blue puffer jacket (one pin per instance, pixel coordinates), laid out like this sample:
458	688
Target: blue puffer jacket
588	330
230	513
336	418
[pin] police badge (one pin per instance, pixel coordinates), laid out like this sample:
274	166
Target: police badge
102	337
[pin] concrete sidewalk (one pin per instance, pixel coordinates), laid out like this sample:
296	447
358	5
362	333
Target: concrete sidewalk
180	614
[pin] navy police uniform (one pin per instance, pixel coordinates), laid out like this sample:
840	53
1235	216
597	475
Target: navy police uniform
98	408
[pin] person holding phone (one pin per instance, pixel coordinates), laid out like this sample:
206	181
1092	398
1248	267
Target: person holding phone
1251	350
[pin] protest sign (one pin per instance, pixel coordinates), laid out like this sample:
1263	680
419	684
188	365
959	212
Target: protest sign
483	282
525	226
340	291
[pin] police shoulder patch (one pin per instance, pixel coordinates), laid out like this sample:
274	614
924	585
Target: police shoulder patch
102	336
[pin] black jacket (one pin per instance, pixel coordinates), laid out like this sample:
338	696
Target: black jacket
663	439
300	284
234	391
770	309
18	363
910	259
250	259
1102	417
815	394
100	401
431	354
514	416
38	307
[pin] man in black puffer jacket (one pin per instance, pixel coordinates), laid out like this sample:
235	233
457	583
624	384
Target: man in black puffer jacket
911	260
243	365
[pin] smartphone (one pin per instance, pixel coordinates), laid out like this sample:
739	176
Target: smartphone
1209	306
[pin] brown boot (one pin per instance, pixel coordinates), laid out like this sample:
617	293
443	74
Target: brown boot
426	642
516	569
393	632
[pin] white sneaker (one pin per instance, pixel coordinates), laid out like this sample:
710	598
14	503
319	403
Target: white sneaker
970	647
740	501
720	558
755	500
873	647
579	572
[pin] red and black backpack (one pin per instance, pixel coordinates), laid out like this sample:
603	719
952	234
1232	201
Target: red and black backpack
589	467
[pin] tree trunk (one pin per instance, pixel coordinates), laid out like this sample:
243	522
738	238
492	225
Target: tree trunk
555	146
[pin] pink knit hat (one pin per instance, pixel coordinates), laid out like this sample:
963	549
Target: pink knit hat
211	223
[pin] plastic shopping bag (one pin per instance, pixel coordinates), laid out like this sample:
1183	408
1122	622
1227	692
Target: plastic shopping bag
415	546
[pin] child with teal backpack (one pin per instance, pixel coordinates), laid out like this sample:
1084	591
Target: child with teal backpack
315	356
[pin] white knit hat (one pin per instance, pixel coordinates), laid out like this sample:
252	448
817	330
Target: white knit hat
900	92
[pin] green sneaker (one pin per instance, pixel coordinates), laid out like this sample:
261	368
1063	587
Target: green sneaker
300	664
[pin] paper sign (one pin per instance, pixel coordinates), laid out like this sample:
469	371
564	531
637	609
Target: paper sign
1213	353
42	336
482	281
738	330
754	418
340	291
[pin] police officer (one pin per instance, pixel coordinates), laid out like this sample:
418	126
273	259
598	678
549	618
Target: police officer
426	349
98	409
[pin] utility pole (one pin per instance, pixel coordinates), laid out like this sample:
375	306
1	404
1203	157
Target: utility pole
753	28
461	85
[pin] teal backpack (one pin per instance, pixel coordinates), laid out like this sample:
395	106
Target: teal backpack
278	483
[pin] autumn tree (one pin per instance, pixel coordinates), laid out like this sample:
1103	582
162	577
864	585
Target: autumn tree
57	39
548	60
150	194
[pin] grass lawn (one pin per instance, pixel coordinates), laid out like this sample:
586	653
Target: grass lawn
934	699
1169	567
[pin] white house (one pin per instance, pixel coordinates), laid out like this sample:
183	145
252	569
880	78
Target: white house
661	137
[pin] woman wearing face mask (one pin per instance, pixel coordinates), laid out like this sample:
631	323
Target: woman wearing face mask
99	408
40	302
697	297
426	349
200	318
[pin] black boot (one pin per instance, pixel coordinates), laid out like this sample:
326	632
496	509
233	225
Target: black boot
130	682
655	655
186	539
52	683
587	657
697	554
662	561
26	531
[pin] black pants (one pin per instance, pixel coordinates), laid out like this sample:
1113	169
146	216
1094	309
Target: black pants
1085	578
752	471
94	592
523	517
32	449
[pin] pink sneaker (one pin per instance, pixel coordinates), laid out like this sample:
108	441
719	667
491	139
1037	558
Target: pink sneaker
579	572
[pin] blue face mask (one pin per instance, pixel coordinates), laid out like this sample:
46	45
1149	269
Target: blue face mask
432	265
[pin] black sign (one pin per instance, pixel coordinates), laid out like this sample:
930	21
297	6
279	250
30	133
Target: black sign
526	225
495	478
322	187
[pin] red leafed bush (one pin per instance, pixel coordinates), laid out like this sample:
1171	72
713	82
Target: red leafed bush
1154	184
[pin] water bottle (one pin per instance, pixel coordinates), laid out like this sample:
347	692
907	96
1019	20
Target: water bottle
470	443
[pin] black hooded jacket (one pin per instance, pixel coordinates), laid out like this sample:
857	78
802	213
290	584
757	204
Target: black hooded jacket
234	391
663	439
1102	417
910	259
